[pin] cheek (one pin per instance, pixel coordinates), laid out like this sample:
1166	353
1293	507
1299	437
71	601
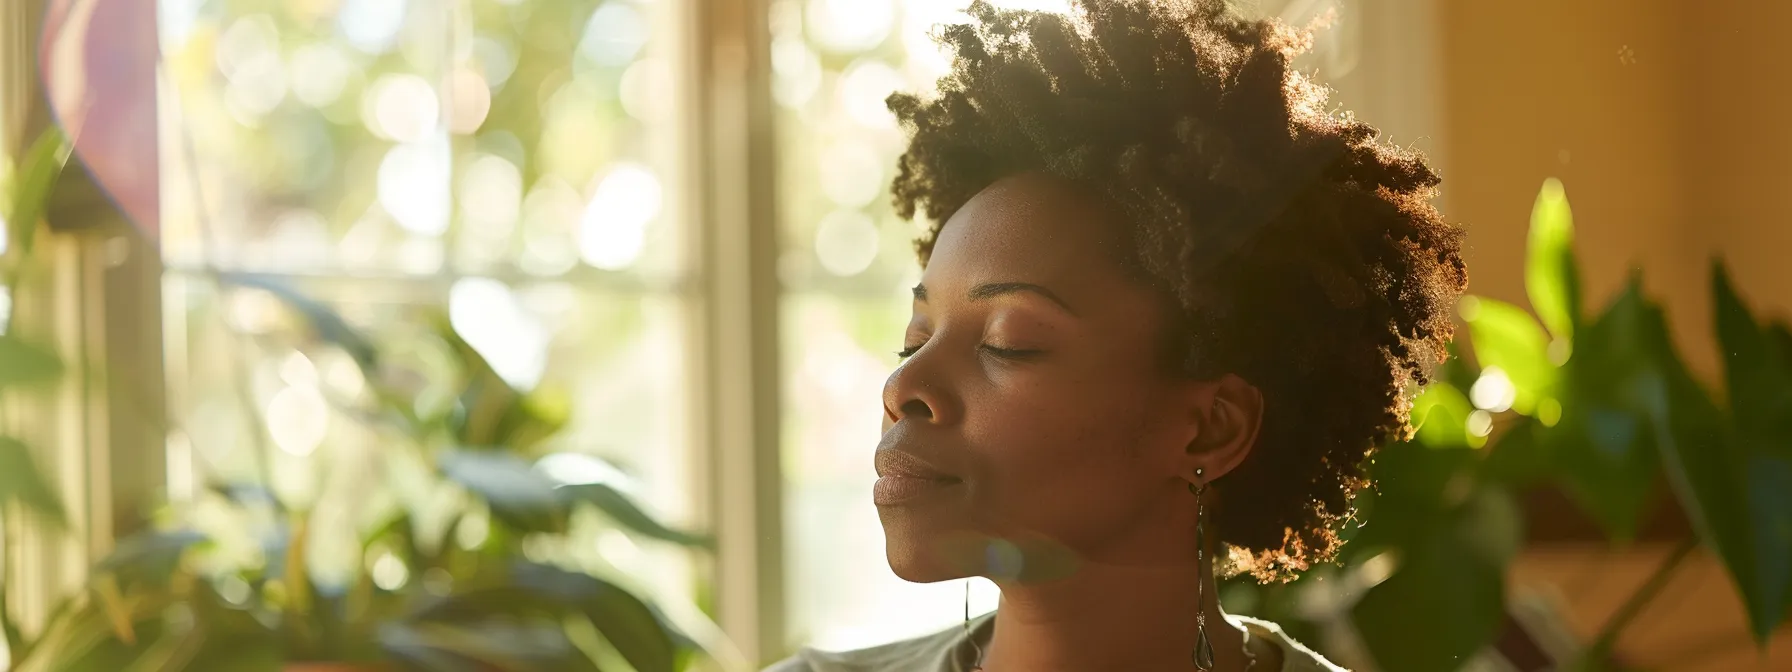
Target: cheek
1059	455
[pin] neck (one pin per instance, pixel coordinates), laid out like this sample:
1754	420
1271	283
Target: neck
1113	617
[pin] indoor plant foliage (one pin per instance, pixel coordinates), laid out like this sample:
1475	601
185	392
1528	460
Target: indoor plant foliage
455	551
1596	403
27	366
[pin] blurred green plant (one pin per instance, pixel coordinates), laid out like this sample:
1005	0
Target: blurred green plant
483	580
1598	405
26	366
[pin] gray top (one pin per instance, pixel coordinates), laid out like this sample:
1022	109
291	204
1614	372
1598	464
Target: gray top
948	651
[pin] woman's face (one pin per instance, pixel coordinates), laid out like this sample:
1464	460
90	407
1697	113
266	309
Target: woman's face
1034	407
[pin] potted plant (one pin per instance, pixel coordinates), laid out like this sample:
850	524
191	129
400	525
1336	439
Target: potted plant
1596	404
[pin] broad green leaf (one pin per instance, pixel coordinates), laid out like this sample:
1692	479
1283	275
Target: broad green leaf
1455	567
22	482
1409	496
1756	369
517	494
38	172
624	620
1604	446
1506	336
492	413
1441	415
23	363
1518	457
617	505
1769	486
1706	463
1607	460
1550	275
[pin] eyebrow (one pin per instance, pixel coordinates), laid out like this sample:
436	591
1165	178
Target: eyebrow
994	289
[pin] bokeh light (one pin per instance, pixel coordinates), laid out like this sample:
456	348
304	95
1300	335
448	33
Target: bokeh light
614	225
864	87
550	213
488	316
320	72
297	419
646	90
797	72
614	34
388	572
470	102
245	47
491	193
401	107
851	173
846	242
371	25
1480	423
413	185
850	26
1493	391
496	61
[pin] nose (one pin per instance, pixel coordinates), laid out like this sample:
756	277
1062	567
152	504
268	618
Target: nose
914	391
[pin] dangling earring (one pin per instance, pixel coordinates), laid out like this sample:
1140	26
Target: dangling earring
1202	656
978	648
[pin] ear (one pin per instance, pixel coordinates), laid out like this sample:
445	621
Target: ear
1228	416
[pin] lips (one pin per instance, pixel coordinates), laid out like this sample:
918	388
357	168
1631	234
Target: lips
904	477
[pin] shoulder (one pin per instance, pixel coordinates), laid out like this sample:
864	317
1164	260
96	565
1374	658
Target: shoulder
1295	656
927	653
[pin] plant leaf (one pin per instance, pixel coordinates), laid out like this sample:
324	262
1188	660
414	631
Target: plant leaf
628	623
1506	336
23	363
1605	446
42	165
1550	274
1441	415
517	494
151	554
324	320
21	481
1769	487
1705	461
625	512
1455	568
1756	367
492	412
1518	458
491	644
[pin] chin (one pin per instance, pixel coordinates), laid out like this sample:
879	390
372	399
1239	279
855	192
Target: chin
921	550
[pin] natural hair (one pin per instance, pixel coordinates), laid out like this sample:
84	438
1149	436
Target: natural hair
1294	248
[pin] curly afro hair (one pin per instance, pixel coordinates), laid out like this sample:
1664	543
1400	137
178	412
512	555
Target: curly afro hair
1293	248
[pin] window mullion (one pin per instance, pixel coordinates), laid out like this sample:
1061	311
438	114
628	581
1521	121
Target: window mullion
736	385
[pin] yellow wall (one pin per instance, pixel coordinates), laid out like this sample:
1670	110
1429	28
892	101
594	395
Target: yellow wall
1589	91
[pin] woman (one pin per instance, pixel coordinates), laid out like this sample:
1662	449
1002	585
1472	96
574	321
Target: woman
1171	307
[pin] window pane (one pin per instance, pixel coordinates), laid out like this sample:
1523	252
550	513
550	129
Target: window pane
249	383
419	137
504	165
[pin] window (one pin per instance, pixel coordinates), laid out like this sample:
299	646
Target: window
510	161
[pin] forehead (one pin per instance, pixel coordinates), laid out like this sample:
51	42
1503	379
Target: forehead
1031	228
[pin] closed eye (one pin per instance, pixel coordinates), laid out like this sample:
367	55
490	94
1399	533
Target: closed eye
1012	353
